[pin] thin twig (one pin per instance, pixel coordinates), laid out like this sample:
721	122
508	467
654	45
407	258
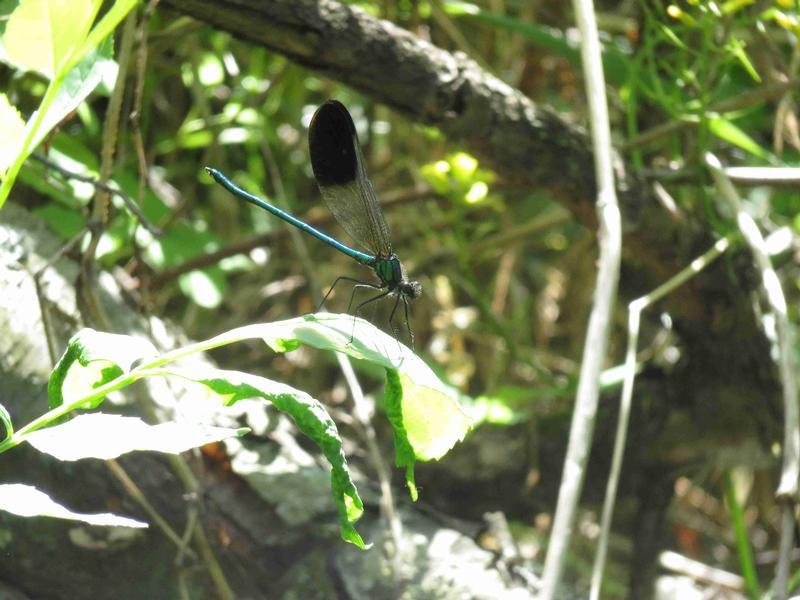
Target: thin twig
53	346
138	94
596	343
90	302
129	202
774	176
136	494
362	417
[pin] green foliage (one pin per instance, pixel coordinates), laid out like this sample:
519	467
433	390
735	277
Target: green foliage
458	177
93	359
54	39
426	417
107	436
504	270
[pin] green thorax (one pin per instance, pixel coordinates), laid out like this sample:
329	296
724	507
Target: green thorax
392	275
389	270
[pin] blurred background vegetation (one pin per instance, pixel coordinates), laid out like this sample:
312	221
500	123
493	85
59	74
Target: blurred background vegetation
507	273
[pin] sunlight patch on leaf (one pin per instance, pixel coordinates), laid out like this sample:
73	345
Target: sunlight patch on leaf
107	436
27	501
203	288
77	85
93	358
41	35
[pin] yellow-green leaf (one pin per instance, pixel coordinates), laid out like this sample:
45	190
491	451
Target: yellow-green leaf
42	35
726	130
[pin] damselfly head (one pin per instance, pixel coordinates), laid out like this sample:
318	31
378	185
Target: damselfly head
410	289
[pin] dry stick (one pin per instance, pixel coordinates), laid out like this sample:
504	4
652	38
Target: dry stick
635	309
594	350
194	528
774	176
134	492
787	492
710	576
362	413
189	482
138	94
53	347
99	217
786	107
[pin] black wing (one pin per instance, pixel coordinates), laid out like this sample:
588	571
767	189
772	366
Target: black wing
342	178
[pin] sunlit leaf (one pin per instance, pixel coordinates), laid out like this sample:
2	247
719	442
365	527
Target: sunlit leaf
93	358
430	408
206	288
77	85
5	421
27	501
427	417
106	25
726	130
105	436
737	49
42	35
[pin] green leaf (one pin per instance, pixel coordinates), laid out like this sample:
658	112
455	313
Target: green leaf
737	49
93	358
726	130
404	456
426	414
27	501
66	222
103	436
310	417
205	287
499	408
436	419
182	242
77	85
106	25
42	35
13	127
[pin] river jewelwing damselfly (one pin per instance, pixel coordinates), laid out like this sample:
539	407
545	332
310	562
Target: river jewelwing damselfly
341	175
